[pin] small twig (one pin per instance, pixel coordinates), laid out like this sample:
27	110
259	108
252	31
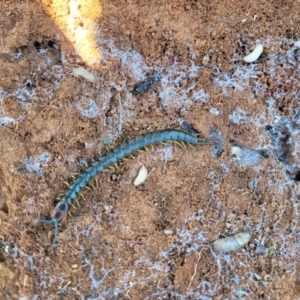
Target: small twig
63	289
121	113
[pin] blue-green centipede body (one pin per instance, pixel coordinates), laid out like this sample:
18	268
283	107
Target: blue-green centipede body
112	157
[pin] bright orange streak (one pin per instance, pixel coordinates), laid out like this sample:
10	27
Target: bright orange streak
77	19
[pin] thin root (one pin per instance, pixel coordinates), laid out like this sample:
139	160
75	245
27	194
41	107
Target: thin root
195	268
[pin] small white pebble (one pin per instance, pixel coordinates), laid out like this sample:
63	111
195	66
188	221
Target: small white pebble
255	54
108	208
142	176
257	276
84	73
267	277
276	119
246	156
205	60
214	111
232	243
236	153
168	231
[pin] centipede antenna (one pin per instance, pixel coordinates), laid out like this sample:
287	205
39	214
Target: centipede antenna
205	141
56	229
44	221
206	144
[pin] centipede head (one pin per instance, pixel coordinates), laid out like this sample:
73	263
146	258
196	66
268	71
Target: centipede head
58	215
60	212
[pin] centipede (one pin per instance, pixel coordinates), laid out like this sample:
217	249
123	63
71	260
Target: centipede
111	157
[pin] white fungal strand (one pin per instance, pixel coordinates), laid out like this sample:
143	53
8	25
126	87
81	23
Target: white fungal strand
142	176
255	54
81	72
232	243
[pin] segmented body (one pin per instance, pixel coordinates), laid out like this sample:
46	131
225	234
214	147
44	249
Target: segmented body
112	157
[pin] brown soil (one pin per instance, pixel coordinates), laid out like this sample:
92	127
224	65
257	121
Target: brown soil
152	241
